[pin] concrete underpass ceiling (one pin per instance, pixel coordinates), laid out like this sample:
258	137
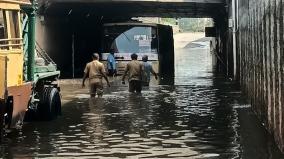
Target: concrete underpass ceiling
133	8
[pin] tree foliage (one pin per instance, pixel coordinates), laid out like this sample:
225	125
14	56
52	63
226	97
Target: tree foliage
189	24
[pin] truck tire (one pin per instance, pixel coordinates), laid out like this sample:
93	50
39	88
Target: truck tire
50	104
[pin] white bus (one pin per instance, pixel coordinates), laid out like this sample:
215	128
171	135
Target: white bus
125	39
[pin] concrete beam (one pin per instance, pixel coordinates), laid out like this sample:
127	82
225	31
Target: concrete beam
134	8
167	1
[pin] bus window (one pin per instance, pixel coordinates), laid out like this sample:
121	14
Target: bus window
130	39
14	24
14	27
3	30
143	39
11	40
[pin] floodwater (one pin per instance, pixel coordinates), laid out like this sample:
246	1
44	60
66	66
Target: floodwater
202	116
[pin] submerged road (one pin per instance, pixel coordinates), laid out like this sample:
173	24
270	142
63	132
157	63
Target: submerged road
202	116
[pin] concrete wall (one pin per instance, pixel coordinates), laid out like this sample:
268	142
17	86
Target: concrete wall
223	44
261	60
63	36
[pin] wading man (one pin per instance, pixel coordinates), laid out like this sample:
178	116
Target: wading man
134	69
95	71
111	64
148	69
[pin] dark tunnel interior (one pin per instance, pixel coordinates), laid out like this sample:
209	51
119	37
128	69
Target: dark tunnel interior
73	36
73	30
77	38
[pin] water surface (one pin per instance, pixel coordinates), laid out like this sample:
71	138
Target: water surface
202	116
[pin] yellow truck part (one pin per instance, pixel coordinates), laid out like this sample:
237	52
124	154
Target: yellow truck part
14	67
11	43
28	98
12	87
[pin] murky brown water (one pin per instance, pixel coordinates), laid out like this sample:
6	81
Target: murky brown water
202	116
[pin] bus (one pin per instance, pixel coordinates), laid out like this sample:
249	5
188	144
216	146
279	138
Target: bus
124	39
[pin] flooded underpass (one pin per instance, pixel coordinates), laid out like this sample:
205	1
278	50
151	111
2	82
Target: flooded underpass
203	115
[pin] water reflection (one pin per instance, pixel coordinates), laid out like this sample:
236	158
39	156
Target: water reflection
202	116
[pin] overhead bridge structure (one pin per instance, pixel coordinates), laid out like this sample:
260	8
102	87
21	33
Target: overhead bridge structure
250	37
75	24
136	8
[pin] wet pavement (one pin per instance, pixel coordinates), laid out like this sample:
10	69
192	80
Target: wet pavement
202	116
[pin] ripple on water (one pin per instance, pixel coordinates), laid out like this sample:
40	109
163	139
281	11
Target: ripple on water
82	96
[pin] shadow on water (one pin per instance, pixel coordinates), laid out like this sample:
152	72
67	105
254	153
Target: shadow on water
202	115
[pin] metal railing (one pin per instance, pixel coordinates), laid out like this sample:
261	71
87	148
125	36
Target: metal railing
11	43
39	50
43	54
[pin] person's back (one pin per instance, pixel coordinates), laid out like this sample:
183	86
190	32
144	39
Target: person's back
95	71
148	69
135	69
111	64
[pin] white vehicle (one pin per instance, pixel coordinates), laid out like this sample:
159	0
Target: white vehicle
125	39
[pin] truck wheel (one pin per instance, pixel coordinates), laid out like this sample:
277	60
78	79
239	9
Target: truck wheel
50	105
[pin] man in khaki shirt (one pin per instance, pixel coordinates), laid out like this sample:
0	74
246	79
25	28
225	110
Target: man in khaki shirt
95	71
134	69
